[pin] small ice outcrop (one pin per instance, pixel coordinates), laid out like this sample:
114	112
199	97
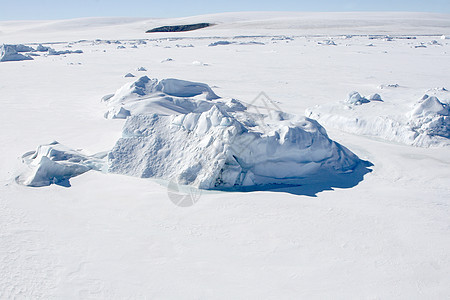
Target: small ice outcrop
251	43
356	99
220	43
9	53
375	97
327	42
166	60
129	75
430	120
384	86
23	48
52	51
434	42
121	47
141	69
55	164
41	48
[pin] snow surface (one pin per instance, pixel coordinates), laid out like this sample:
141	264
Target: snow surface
379	235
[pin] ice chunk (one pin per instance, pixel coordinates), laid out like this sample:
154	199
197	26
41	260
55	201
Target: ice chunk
356	98
129	75
10	53
220	43
62	52
41	48
375	97
55	163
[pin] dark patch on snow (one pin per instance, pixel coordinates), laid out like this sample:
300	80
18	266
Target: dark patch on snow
180	28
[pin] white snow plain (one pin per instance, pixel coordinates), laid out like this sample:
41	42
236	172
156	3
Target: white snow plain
383	234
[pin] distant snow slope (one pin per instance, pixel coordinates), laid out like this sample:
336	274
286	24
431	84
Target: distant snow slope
230	24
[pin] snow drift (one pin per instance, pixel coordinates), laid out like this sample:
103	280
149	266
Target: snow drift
216	143
56	164
426	124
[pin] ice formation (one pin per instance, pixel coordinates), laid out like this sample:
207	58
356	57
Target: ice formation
220	43
11	53
181	130
215	143
56	164
166	96
426	124
62	52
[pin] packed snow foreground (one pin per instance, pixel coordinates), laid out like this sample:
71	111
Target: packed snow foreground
180	130
426	123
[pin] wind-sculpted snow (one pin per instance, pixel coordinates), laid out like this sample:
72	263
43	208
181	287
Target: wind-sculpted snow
216	143
166	96
426	124
56	164
11	53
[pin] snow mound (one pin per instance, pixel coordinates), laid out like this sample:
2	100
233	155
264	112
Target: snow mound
166	96
426	124
129	75
10	53
55	164
223	148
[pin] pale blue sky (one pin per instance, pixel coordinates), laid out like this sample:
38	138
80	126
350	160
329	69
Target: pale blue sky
62	9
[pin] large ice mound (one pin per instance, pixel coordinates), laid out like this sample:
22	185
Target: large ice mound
54	163
215	143
425	124
11	53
